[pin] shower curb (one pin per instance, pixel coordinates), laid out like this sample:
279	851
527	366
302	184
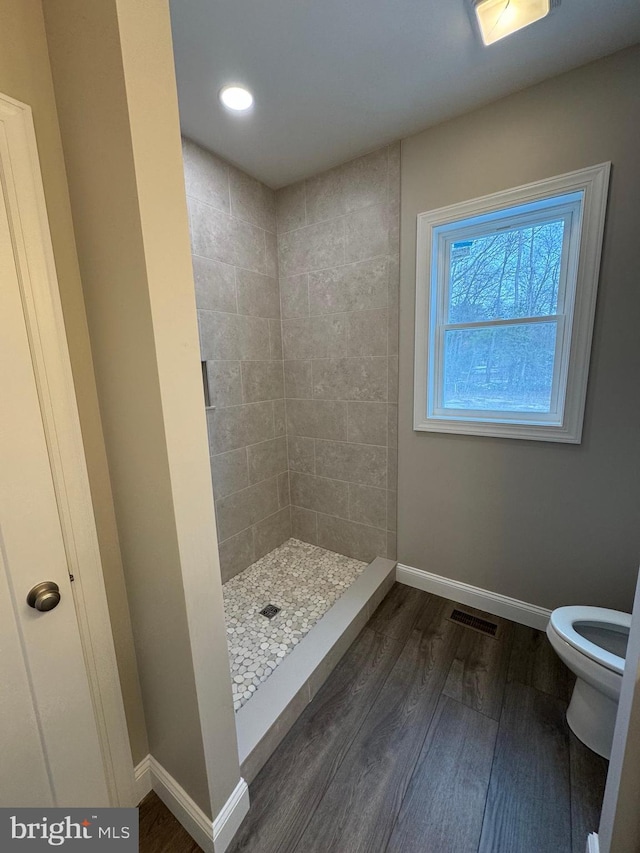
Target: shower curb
264	721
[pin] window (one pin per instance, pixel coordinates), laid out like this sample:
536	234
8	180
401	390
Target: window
505	299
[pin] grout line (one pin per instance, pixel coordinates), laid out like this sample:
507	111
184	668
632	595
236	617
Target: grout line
229	264
381	256
328	218
338	518
306	216
252	526
349	482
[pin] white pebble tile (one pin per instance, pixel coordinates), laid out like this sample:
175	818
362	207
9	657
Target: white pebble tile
303	581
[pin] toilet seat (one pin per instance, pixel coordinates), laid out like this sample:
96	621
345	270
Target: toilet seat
564	618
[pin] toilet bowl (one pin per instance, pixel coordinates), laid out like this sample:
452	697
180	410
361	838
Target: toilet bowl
592	642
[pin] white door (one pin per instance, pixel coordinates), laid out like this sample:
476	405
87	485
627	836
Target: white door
49	748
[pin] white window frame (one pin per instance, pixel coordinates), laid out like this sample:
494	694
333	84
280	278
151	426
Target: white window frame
581	198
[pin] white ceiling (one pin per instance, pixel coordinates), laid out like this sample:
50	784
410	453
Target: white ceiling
334	79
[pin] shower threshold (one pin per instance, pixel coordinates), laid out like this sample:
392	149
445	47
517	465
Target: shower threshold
278	664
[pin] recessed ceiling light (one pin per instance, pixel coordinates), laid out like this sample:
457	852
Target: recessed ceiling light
236	98
500	18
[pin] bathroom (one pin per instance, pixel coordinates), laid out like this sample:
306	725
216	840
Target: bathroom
297	292
355	371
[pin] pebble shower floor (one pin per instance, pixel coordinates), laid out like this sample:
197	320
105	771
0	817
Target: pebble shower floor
304	581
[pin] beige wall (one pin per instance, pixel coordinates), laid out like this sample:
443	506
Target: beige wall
548	523
115	89
25	74
338	270
233	237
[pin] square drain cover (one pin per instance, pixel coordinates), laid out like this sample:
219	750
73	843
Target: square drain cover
270	611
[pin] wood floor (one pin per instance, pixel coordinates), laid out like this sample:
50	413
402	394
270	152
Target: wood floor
429	737
160	832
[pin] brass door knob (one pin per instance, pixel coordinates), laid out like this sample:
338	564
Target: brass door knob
44	596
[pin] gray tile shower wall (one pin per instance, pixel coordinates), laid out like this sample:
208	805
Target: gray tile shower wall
338	258
233	234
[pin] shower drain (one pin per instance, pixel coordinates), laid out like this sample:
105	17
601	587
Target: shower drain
270	611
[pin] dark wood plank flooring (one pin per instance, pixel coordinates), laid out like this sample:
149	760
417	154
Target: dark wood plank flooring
160	832
427	738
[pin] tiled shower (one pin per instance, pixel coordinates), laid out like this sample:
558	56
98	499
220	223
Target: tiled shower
297	300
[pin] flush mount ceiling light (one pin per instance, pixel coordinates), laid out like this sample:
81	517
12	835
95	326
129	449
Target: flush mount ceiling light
236	98
499	18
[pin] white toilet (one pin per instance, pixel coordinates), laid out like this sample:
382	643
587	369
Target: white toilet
592	641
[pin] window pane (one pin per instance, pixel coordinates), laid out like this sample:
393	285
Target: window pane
502	368
508	274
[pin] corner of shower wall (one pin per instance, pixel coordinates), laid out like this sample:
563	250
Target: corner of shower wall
232	220
338	260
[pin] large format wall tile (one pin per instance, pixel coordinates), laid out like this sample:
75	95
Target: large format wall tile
311	248
262	380
353	287
367	233
251	200
302	454
299	332
315	337
215	285
350	379
350	538
272	531
233	336
225	383
367	332
279	418
239	426
291	207
219	236
367	423
229	472
359	183
304	524
267	459
297	378
206	176
317	418
236	554
242	509
258	294
368	505
233	224
339	280
294	295
320	494
357	463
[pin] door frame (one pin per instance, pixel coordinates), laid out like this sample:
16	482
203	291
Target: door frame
28	222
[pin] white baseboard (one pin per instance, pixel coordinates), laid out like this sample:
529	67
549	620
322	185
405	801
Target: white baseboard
593	844
231	816
142	775
475	596
210	835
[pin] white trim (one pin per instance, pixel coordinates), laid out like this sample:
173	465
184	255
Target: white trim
593	183
210	835
142	776
593	845
475	596
181	806
227	823
27	212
